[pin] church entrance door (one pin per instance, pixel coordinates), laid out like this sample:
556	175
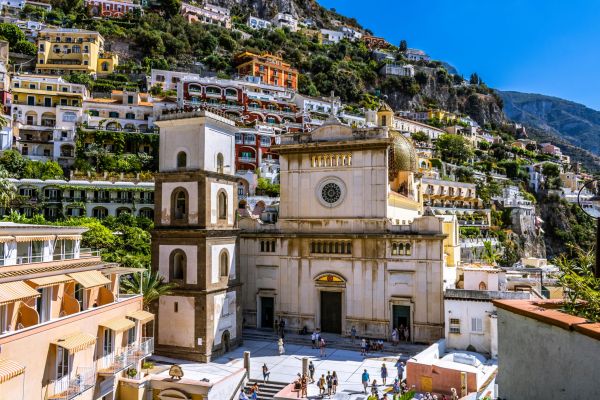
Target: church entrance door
266	312
401	318
331	312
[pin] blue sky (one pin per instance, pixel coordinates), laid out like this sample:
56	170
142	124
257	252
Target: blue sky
550	47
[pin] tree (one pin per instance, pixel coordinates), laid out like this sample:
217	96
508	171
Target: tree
420	136
13	162
474	79
24	47
550	170
489	255
153	286
454	148
464	174
8	190
403	46
97	236
11	33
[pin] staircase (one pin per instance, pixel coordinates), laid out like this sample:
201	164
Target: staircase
266	391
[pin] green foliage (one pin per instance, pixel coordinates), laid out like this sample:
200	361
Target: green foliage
13	162
581	288
24	47
454	148
8	190
403	46
464	174
18	166
153	286
420	136
550	170
403	84
12	33
265	187
475	79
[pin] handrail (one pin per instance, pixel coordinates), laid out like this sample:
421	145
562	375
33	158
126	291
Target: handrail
240	384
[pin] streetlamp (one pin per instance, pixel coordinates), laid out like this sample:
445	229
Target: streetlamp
588	199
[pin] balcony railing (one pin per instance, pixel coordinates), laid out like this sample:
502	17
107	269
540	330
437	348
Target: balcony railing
66	389
247	159
116	361
38	258
143	349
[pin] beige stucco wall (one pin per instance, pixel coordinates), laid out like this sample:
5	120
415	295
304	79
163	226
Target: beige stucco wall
183	319
191	253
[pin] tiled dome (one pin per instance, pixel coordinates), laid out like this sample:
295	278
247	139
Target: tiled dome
402	155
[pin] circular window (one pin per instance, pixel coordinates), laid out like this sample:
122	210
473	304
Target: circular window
331	192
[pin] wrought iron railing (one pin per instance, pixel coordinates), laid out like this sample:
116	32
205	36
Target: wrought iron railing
65	389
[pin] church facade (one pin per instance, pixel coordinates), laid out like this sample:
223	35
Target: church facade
351	246
195	240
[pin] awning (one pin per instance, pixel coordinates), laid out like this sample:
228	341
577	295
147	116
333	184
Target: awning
122	270
120	324
76	342
69	237
9	369
13	291
141	315
4	239
90	279
34	238
47	281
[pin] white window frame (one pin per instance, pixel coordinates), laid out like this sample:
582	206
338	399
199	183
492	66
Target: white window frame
62	370
476	325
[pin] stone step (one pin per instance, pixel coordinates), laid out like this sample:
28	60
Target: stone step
267	390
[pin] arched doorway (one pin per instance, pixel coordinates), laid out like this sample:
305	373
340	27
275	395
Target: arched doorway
225	341
331	290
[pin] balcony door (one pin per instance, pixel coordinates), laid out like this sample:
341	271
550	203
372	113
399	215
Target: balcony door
63	370
44	304
108	344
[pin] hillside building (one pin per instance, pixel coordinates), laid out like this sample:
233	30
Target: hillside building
63	51
271	69
112	8
285	20
130	111
416	55
207	14
257	23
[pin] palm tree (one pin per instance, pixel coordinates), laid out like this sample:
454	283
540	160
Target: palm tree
8	190
153	286
490	255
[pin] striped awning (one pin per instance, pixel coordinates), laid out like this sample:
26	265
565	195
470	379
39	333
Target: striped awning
34	238
141	315
47	281
9	369
90	279
76	342
123	270
4	239
120	324
69	237
14	291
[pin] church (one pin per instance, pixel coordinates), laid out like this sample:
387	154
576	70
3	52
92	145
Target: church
351	245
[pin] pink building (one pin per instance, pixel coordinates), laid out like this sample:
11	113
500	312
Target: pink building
111	8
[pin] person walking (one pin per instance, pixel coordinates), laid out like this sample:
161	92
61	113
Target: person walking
280	346
363	346
395	337
384	373
400	367
329	381
353	333
311	371
334	379
276	326
322	347
365	380
321	385
374	389
406	334
282	328
313	338
303	386
265	372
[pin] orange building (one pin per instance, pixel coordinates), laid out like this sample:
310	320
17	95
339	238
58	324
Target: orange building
270	68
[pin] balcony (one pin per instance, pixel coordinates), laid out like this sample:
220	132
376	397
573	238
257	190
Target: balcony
247	159
142	350
116	362
66	389
38	258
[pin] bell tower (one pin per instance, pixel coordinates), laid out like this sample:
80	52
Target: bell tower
195	239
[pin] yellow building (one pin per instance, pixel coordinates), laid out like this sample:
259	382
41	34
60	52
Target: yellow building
63	51
441	115
66	330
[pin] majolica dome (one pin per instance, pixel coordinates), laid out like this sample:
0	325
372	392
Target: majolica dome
385	107
402	155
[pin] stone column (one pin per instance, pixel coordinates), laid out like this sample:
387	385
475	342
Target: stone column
305	366
247	363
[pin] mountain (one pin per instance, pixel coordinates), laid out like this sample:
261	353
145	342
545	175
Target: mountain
555	118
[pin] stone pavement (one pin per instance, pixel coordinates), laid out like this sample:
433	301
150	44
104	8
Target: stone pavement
348	364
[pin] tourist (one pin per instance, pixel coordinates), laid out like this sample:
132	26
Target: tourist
303	386
353	333
255	388
243	395
265	372
322	347
321	385
400	367
454	394
282	328
368	346
395	337
254	394
406	334
311	371
329	381
334	382
373	397
374	387
384	373
365	379
363	346
380	345
276	326
401	332
313	338
280	346
396	386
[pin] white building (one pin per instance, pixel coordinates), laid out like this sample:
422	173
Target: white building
258	23
351	34
409	126
168	80
331	37
285	20
416	55
397	70
207	14
125	110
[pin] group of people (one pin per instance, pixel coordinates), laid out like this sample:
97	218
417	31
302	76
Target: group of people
318	342
250	394
400	333
279	328
368	345
398	386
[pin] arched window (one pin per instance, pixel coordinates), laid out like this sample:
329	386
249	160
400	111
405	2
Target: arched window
181	159
220	163
482	286
179	202
222	204
224	264
383	120
178	265
407	249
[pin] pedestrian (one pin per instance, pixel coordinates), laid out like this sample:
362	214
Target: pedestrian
276	326
282	328
280	346
401	332
255	388
353	333
400	367
368	346
322	347
395	337
406	334
396	386
329	381
254	394
363	346
311	371
313	338
265	372
321	385
334	378
365	380
454	394
303	386
374	387
243	395
384	373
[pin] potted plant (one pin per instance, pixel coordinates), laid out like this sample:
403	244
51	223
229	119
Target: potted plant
132	373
